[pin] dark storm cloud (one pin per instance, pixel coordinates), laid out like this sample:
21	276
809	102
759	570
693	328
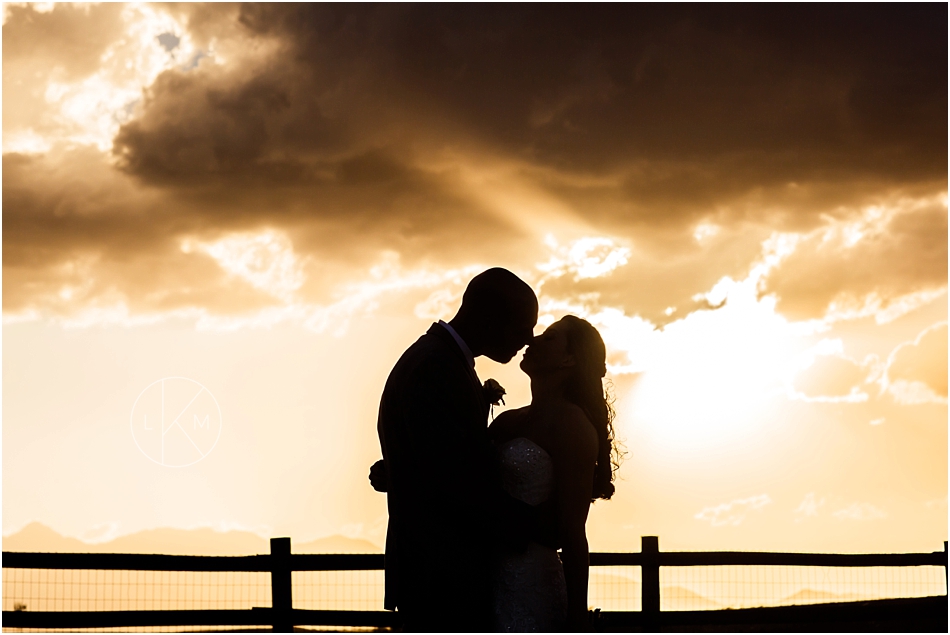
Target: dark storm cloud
597	86
351	127
71	221
262	139
73	224
720	99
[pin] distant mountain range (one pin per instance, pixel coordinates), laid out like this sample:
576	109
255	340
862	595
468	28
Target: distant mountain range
677	598
606	587
616	591
811	596
200	542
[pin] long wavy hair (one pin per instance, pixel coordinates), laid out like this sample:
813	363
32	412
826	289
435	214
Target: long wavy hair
585	389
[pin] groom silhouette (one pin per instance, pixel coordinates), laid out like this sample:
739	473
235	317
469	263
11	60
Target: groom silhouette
447	512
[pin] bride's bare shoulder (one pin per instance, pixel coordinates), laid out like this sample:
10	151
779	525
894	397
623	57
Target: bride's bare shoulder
574	431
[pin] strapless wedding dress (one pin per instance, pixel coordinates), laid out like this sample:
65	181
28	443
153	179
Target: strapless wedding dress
529	593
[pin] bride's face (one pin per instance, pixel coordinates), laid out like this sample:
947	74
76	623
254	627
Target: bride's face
547	352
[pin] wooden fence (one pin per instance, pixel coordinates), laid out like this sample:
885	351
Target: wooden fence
280	563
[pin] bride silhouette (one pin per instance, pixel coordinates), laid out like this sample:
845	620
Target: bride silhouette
558	452
476	515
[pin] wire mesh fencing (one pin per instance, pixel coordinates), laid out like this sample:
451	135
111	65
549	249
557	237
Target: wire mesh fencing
710	588
749	586
339	590
615	588
346	591
130	590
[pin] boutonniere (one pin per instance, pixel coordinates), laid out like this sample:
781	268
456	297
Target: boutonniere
494	392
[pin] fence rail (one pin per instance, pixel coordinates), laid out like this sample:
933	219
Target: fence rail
282	616
721	558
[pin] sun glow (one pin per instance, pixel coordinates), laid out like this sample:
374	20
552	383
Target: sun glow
714	375
707	378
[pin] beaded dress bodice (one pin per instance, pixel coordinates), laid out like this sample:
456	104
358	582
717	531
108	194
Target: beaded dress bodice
527	471
529	590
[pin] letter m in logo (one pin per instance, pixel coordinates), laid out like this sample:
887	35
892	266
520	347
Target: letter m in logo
200	423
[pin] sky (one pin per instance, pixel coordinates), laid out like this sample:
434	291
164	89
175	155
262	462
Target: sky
267	204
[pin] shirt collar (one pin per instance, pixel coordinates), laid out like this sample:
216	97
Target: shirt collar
458	340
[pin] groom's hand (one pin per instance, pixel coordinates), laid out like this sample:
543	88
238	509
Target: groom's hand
379	477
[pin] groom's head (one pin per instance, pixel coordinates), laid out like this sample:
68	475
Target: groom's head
498	314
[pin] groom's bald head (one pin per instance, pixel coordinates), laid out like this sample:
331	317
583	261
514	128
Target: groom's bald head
498	314
496	289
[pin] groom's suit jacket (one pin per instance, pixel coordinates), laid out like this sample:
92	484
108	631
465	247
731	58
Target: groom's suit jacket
442	495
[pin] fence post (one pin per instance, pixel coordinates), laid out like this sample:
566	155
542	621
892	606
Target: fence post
280	581
650	580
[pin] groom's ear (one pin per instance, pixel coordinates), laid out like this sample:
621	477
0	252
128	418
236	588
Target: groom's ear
568	361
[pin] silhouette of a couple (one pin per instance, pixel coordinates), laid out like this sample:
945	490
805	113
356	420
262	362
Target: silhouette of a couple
477	514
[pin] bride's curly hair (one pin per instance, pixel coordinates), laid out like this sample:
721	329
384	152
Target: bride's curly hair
586	390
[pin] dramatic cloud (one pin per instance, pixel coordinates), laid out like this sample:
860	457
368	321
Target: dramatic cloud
683	137
670	108
917	371
887	261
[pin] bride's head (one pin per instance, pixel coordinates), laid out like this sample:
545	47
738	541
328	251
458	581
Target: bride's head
571	354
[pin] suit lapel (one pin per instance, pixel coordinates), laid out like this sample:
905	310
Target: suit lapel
440	332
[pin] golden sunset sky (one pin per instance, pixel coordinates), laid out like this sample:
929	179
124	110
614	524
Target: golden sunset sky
274	201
